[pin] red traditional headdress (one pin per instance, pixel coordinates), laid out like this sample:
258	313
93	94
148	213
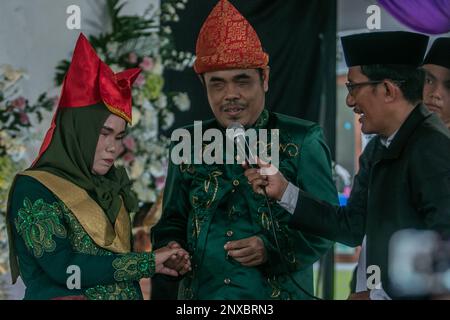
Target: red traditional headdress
228	41
90	81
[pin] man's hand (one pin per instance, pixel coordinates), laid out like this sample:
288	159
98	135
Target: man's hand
249	252
179	261
266	176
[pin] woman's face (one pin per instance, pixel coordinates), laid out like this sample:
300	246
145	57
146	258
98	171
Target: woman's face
109	145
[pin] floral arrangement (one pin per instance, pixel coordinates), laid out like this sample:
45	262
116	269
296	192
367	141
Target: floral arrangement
17	120
139	41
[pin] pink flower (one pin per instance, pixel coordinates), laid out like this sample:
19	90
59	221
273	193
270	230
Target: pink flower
19	103
129	143
23	118
132	58
128	157
160	182
140	81
147	64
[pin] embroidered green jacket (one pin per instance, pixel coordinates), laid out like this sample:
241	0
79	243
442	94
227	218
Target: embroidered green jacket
52	249
207	205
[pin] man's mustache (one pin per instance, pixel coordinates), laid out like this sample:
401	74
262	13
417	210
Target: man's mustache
233	105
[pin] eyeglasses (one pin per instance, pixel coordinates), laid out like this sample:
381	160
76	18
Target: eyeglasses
351	86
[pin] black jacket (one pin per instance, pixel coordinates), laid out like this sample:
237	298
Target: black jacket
404	186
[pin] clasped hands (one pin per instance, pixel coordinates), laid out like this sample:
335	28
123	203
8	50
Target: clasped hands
173	260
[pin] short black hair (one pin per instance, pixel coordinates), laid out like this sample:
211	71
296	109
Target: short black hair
409	79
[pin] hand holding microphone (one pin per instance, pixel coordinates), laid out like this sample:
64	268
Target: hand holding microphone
266	177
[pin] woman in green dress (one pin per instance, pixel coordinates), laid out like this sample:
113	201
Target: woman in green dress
68	214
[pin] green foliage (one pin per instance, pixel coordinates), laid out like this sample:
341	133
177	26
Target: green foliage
129	33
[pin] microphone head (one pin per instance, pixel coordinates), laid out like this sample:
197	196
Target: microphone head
235	125
234	130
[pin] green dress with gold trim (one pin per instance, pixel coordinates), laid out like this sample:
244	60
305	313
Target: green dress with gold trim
207	205
49	241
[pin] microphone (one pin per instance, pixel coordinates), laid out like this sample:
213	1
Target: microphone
236	133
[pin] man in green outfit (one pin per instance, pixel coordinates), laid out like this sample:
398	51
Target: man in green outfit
211	210
404	173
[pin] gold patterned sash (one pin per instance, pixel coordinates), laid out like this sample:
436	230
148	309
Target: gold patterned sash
88	213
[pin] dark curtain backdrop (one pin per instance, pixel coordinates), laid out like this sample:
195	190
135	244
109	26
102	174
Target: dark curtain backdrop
300	37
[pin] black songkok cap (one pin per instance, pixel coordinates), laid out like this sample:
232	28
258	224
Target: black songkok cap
439	53
394	47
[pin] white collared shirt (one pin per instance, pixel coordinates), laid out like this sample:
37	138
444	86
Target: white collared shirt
387	141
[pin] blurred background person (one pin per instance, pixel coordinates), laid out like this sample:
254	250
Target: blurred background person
436	91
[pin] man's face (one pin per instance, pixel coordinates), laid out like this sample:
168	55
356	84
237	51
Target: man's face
109	145
236	95
436	91
367	101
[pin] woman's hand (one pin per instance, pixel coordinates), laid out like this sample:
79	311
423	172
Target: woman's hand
172	261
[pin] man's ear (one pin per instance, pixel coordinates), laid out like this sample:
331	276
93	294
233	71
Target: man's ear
391	91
